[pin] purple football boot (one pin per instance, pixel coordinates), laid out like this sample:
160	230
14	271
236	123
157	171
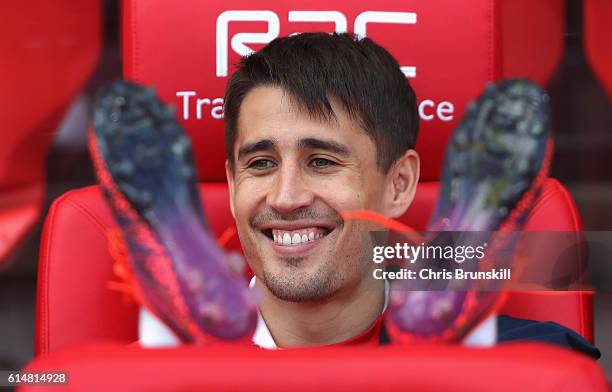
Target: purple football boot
145	166
495	165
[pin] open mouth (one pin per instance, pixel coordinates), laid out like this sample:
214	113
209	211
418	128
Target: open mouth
297	237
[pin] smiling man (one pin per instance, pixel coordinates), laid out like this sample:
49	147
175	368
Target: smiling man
317	125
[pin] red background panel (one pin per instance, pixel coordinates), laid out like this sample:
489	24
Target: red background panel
49	50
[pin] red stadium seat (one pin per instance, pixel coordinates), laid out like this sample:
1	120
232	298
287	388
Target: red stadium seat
597	21
424	368
185	48
49	51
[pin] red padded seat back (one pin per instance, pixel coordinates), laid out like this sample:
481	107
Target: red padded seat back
449	51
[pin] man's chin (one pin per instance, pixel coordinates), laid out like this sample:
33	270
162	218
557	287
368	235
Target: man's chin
291	267
295	284
288	259
293	261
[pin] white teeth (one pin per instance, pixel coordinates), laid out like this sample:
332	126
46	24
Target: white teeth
286	239
296	239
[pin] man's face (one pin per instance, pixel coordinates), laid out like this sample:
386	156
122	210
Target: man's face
293	177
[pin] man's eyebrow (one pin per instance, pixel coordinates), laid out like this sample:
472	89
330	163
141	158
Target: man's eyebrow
327	145
257	146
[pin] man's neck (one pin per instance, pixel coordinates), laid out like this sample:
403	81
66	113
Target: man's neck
340	318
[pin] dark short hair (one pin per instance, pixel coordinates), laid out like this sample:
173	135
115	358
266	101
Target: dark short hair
314	67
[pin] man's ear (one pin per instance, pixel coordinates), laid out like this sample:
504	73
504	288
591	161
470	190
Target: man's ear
401	184
229	174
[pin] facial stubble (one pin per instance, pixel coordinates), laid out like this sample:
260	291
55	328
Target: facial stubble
296	285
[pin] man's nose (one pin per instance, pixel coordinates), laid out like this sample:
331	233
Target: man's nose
290	190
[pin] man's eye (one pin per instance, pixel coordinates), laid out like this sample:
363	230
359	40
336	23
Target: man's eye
261	164
321	163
